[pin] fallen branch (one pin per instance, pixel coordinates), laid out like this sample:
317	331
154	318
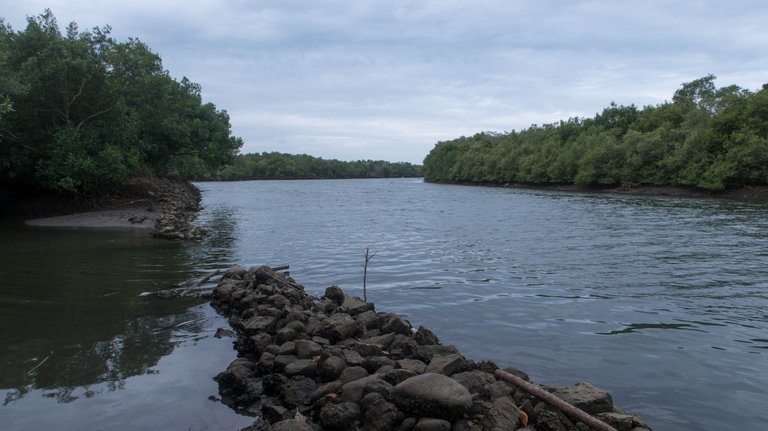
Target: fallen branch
38	365
568	409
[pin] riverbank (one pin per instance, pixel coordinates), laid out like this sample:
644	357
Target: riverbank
757	193
165	207
334	363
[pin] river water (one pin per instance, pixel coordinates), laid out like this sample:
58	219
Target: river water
662	301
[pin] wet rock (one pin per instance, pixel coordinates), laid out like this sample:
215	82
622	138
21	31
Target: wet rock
235	273
273	413
224	333
260	324
622	422
433	395
338	327
589	398
432	424
339	416
426	353
259	342
238	385
446	364
274	383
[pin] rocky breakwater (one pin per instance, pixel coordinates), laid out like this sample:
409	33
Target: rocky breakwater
179	203
335	363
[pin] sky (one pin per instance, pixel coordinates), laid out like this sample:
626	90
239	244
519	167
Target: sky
387	80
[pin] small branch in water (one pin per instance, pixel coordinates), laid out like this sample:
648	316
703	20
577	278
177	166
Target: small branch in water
368	258
38	365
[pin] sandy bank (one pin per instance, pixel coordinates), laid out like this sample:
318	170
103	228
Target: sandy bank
121	218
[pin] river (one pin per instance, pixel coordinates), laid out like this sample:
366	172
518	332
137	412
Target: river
660	300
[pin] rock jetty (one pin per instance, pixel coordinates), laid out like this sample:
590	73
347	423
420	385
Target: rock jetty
179	203
334	363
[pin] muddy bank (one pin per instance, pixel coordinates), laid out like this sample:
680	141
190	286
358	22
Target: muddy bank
163	206
757	193
335	363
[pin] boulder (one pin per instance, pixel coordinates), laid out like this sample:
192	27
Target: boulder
296	391
354	306
477	382
583	395
380	415
331	368
446	364
424	336
301	367
306	349
338	327
291	425
335	294
501	414
339	416
432	424
432	395
392	323
414	365
354	390
353	373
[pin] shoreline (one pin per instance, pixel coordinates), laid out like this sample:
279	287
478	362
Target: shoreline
746	193
309	363
165	208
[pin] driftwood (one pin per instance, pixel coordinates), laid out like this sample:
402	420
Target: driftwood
568	409
193	290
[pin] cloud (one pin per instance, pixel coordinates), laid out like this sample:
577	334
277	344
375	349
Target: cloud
388	79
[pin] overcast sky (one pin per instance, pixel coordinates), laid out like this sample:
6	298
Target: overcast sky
363	79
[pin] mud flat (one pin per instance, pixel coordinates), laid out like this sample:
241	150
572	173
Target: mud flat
334	363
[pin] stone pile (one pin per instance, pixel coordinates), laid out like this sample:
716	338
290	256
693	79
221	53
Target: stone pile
334	363
180	202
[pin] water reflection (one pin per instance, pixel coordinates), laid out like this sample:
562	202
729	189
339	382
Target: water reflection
71	317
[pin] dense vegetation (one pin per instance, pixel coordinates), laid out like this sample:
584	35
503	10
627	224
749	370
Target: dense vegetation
80	111
289	166
706	137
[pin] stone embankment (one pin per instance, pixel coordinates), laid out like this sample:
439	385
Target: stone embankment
333	363
179	203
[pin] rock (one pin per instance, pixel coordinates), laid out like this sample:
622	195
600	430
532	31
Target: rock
273	413
433	395
282	361
365	349
331	368
477	382
373	363
296	391
338	327
367	319
321	391
426	353
380	415
622	422
382	341
414	365
291	425
274	383
224	333
306	349
351	357
238	385
335	294
287	348
397	376
259	342
339	416
432	424
589	398
500	414
446	364
302	367
354	306
352	373
260	324
236	273
394	324
353	391
424	336
404	347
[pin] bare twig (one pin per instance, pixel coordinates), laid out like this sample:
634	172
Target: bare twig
368	258
38	365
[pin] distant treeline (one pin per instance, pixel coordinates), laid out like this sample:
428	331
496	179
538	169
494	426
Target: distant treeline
706	137
276	165
81	112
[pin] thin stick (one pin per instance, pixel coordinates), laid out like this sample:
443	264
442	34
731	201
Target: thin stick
556	402
368	258
38	365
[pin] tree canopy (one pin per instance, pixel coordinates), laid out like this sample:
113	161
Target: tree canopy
276	165
706	137
80	111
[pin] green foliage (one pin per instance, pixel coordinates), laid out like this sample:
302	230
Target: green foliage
289	166
707	137
80	111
